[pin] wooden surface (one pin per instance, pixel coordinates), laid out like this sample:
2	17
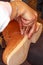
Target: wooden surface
1	62
15	42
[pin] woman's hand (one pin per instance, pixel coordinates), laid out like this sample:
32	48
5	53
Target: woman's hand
27	29
26	17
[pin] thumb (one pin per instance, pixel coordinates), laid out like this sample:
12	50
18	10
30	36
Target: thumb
21	27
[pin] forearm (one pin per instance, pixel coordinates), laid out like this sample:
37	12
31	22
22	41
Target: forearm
19	7
26	11
14	11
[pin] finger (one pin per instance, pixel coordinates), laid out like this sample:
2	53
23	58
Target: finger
31	32
37	27
20	24
27	22
27	30
21	30
21	27
24	28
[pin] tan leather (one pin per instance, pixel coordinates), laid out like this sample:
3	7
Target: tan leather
12	37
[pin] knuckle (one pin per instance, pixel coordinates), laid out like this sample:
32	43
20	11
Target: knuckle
36	15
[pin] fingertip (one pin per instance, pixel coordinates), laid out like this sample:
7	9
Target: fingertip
21	32
29	36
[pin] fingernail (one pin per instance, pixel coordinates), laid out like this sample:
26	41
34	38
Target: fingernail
21	32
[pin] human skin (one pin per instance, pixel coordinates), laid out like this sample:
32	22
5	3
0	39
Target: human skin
26	16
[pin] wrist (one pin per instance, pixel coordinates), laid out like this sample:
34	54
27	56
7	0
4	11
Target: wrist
14	10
